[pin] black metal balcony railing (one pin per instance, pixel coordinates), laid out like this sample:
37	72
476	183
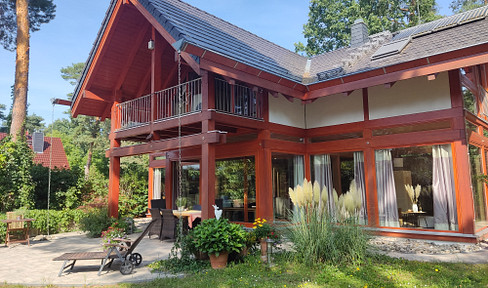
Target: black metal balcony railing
237	99
233	99
137	112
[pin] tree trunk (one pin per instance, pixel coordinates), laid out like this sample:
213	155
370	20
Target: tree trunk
88	161
21	70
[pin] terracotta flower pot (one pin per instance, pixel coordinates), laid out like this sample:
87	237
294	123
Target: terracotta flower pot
219	262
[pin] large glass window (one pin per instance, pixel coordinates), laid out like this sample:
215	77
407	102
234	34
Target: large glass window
190	182
235	188
337	172
287	172
415	187
477	187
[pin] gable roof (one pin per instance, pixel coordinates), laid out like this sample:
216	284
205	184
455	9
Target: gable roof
196	27
59	159
189	25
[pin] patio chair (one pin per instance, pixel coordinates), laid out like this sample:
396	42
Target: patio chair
123	250
169	224
16	231
158	203
158	225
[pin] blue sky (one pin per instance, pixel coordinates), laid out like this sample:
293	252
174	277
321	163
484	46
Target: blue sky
69	37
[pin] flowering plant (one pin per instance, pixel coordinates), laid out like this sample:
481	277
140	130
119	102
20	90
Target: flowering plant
263	230
113	232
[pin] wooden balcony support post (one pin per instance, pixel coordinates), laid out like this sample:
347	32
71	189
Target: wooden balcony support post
168	182
462	178
114	168
207	172
264	185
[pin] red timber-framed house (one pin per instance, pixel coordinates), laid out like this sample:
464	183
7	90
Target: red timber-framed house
391	110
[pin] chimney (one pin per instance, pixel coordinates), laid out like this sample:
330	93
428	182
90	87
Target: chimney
359	33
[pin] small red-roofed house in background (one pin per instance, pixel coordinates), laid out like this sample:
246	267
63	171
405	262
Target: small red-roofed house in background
59	159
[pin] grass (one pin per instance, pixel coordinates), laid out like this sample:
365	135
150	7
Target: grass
377	271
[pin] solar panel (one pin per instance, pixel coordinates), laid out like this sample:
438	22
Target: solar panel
391	48
443	23
38	142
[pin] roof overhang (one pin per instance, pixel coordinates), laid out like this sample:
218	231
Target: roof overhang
470	56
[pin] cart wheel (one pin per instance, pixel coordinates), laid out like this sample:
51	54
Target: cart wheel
126	267
136	258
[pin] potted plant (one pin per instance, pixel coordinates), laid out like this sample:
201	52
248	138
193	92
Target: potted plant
263	230
217	238
181	203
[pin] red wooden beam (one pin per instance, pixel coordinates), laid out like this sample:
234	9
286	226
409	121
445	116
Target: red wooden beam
61	102
165	145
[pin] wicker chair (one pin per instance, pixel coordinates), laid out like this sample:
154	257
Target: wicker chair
156	228
169	224
158	203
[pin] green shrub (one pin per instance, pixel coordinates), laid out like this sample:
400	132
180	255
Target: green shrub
96	221
214	236
59	221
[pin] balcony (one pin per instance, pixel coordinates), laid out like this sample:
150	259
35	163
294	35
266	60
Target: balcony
137	112
231	99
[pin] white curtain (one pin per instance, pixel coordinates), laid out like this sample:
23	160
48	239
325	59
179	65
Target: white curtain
385	186
157	184
445	211
323	175
298	173
360	184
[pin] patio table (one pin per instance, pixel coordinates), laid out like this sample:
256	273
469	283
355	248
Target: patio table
190	214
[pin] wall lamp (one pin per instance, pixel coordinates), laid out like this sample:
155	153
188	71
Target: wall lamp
150	44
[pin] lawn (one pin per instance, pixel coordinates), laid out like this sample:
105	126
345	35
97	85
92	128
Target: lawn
378	271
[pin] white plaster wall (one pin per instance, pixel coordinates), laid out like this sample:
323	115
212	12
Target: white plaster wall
409	96
335	109
282	111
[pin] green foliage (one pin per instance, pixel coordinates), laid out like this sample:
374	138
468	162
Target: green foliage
65	192
40	12
458	6
329	24
378	271
181	202
59	221
213	236
231	174
96	221
16	185
133	186
72	73
181	257
316	237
